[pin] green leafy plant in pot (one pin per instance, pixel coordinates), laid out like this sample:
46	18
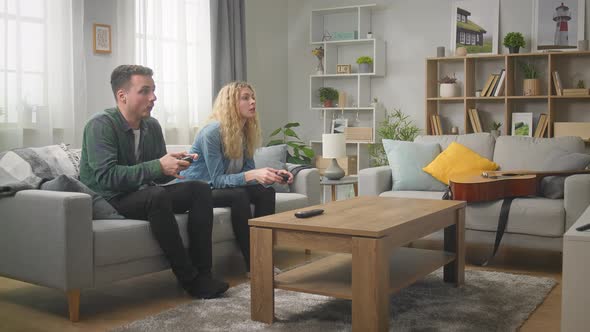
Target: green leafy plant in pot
365	63
298	152
514	41
531	85
327	96
396	126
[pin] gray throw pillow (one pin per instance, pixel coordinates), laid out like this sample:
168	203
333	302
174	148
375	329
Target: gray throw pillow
553	186
276	157
101	209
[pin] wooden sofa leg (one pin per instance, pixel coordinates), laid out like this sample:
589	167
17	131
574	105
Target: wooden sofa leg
74	304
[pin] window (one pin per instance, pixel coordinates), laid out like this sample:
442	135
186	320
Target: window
172	38
458	17
462	37
23	49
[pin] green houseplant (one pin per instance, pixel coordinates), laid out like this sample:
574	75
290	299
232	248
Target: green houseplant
327	95
532	84
397	126
364	63
298	152
514	41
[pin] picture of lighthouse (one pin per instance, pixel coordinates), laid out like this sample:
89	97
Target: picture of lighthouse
557	24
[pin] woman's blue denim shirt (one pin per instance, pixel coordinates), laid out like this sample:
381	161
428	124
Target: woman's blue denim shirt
212	164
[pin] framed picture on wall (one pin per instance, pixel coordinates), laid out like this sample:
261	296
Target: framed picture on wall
522	124
338	126
474	25
101	38
557	25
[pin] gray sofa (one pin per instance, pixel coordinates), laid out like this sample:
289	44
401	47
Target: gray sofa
536	222
48	238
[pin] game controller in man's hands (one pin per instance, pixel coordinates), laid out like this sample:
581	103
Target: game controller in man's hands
187	158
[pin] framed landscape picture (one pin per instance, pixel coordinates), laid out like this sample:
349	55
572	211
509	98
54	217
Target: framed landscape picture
338	126
101	38
475	26
522	124
557	25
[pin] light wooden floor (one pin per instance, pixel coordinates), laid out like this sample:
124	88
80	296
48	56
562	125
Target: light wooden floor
26	307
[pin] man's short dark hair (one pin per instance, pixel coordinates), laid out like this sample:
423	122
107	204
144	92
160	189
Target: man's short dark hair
122	75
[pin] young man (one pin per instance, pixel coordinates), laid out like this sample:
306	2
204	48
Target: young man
124	157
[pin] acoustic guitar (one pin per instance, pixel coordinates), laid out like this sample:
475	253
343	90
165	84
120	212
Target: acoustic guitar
494	185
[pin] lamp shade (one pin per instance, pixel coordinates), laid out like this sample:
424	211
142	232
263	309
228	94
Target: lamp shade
333	146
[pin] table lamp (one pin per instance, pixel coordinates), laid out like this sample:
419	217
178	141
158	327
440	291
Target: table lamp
333	146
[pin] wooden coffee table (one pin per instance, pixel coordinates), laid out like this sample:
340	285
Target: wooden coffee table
368	234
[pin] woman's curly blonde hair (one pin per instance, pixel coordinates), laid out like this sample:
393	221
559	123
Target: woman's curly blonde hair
233	135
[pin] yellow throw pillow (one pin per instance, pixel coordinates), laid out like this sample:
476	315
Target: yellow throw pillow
458	159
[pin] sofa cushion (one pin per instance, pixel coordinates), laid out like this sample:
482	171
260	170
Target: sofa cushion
290	201
413	194
119	241
532	153
534	216
457	160
481	143
406	160
553	186
275	157
101	209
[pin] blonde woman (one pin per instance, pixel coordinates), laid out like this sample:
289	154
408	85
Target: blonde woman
226	148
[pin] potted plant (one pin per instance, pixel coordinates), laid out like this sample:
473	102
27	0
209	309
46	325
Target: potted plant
298	152
448	86
496	129
365	63
397	126
514	41
328	95
532	84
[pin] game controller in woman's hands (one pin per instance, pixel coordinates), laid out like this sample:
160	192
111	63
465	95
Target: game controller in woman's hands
284	176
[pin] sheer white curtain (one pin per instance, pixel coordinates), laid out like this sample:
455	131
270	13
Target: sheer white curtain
173	38
36	72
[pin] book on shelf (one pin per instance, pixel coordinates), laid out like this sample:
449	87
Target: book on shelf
500	87
475	122
472	120
435	125
540	125
486	86
492	85
557	83
432	126
545	127
438	125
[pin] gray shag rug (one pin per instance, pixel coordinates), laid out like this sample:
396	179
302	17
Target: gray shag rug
489	301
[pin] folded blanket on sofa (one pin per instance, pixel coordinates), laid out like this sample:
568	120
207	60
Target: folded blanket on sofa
28	168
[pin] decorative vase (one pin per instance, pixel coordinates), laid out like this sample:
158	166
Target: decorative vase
513	49
365	68
531	87
448	90
495	133
328	103
319	70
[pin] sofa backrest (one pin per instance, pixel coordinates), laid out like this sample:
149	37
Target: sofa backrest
535	154
178	148
481	143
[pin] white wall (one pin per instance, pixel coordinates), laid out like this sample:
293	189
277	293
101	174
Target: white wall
411	29
99	66
266	53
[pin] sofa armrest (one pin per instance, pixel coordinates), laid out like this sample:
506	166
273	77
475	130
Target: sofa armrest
576	197
375	180
46	238
307	182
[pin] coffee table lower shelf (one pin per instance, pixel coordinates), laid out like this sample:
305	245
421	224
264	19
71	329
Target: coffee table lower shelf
332	275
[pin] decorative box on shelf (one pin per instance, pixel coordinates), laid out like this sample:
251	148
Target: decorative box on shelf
363	134
581	129
348	164
575	92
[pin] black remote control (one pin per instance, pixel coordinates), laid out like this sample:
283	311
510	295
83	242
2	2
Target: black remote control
308	213
583	228
187	158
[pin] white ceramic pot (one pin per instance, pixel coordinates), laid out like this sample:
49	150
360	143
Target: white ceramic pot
448	90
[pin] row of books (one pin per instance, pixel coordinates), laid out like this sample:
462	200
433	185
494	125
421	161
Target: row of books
435	126
475	121
542	126
494	85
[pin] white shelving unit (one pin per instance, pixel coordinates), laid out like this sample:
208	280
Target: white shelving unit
356	21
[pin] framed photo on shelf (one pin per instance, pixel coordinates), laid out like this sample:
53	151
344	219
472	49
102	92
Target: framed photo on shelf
557	25
338	126
522	124
101	38
474	25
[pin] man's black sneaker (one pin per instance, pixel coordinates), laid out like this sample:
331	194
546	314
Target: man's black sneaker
206	287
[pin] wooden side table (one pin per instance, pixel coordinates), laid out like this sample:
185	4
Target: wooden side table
345	180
